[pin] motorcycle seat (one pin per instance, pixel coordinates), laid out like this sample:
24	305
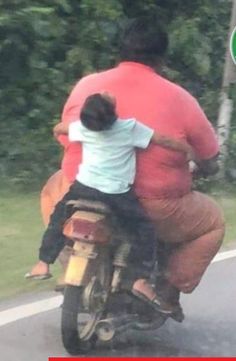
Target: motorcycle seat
89	206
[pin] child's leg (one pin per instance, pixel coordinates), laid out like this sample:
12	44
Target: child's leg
134	221
53	239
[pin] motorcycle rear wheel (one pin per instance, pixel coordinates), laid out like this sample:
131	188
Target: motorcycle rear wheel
73	337
83	307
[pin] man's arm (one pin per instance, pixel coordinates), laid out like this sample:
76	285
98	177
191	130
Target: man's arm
60	129
173	144
202	137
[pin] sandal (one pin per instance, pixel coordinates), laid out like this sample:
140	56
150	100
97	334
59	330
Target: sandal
145	292
45	276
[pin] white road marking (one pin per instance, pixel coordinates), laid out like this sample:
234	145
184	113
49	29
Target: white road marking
224	255
30	309
34	308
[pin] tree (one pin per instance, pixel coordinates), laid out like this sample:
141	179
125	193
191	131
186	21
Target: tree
226	102
46	46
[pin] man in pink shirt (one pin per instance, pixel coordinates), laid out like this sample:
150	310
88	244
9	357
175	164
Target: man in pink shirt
189	224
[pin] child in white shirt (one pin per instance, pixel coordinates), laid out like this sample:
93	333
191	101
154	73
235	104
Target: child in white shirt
107	174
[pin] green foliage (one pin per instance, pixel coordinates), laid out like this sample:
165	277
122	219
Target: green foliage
231	160
21	229
46	46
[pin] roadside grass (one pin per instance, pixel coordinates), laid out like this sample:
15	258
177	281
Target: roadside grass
21	230
20	233
228	204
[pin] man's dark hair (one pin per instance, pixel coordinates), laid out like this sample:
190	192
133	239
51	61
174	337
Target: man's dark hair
144	40
98	113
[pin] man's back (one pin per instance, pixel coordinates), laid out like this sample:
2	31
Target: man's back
161	105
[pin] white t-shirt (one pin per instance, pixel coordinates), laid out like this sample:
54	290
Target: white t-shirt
108	156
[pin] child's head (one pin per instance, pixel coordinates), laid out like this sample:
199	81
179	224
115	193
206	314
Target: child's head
98	112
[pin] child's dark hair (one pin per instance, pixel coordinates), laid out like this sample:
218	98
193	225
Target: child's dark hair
98	113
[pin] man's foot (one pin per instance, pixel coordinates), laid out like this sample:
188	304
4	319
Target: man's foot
39	272
170	294
144	291
178	314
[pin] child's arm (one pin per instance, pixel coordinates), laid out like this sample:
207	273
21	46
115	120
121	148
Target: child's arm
60	128
173	144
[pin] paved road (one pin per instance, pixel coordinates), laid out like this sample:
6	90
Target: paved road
209	328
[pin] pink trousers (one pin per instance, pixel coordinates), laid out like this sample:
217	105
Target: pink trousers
193	225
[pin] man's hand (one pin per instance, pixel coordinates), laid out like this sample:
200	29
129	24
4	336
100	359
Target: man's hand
207	167
60	129
190	154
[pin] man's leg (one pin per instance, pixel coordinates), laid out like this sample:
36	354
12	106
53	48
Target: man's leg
194	225
53	191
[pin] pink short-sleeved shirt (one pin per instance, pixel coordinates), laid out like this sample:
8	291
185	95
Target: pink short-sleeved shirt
157	103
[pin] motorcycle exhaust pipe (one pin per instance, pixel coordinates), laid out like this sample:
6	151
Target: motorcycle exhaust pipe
106	329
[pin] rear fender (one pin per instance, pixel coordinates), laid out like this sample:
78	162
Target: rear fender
89	227
91	234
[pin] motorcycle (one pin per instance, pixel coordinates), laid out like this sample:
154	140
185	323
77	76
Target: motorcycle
97	304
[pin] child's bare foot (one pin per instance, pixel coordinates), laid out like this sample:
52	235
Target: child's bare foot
39	272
